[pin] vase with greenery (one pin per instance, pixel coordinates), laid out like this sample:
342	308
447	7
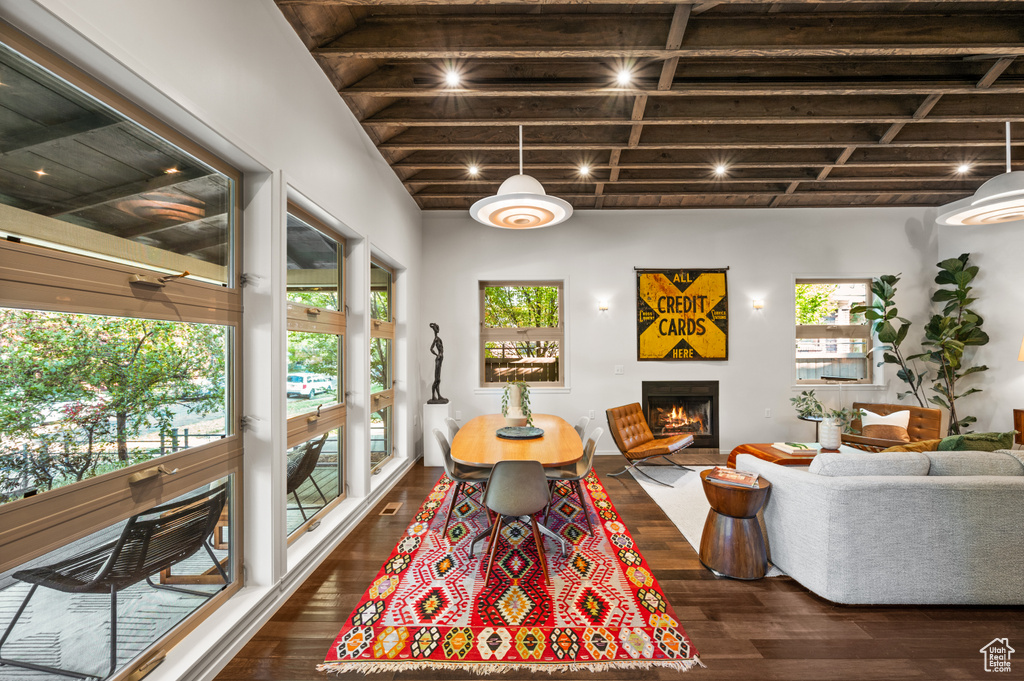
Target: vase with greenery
891	330
833	421
949	334
515	404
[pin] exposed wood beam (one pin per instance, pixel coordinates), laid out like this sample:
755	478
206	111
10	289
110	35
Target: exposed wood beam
537	36
702	192
40	137
124	191
600	184
781	89
766	144
919	114
702	7
483	3
997	70
883	169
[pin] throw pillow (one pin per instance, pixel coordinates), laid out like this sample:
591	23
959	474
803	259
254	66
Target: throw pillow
891	427
976	442
919	446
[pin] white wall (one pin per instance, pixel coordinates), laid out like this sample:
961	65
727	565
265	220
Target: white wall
998	250
595	253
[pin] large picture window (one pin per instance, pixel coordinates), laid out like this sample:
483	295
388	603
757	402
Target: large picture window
120	313
832	342
315	381
522	336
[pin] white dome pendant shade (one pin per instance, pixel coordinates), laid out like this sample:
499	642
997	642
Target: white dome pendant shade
1001	199
521	203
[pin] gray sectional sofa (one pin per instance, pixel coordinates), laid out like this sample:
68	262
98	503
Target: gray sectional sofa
900	527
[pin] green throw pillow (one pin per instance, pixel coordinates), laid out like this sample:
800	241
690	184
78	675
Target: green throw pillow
976	442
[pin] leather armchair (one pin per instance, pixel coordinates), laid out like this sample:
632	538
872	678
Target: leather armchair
925	424
635	440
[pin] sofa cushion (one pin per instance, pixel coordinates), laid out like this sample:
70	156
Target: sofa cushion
1015	453
888	427
919	446
973	463
836	464
976	442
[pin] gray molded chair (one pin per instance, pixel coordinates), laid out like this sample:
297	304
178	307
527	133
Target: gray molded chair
453	427
573	473
460	474
150	542
516	489
581	426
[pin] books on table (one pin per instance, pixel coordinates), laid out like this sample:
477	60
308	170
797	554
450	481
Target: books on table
797	448
730	476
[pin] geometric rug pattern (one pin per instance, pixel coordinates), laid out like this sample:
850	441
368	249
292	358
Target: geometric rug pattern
429	608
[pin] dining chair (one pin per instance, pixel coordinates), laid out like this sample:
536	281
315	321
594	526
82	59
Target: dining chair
150	542
453	427
574	473
581	427
460	474
516	489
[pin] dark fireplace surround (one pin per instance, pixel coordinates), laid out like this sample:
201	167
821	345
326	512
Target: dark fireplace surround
682	407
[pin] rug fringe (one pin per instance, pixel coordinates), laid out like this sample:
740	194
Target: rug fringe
381	666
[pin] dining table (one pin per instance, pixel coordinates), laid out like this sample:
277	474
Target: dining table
477	442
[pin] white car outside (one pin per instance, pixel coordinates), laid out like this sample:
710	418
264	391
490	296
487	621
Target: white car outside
308	385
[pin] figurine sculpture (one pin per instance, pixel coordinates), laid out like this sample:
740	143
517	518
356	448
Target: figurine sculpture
437	349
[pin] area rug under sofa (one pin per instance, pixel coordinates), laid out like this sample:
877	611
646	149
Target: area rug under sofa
428	606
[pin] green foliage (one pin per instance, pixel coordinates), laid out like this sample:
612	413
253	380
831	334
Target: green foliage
808	405
891	330
814	303
380	363
524	400
327	300
949	334
70	384
523	307
314	353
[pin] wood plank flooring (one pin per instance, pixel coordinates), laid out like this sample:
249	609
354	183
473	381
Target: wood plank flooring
767	629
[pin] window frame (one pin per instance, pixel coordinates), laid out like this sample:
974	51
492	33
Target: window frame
835	331
35	277
310	425
383	399
533	333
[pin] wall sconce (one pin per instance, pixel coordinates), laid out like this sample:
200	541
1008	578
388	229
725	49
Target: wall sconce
758	304
602	306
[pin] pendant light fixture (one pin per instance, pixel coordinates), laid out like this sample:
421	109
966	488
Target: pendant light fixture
521	203
1001	199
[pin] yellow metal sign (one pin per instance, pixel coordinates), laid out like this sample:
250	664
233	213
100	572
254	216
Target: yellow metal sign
682	315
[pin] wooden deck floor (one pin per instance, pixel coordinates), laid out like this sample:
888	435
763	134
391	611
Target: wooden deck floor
768	629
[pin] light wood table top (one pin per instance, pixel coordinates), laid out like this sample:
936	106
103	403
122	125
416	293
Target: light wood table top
476	443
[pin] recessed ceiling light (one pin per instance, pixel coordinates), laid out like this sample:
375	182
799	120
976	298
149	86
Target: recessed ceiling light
452	78
720	169
963	168
172	171
584	169
40	173
474	171
624	77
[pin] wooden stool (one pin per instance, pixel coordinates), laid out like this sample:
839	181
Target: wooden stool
732	544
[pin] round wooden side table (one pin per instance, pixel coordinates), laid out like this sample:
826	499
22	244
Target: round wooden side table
732	544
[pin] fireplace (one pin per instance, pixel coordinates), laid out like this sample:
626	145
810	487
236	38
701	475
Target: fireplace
683	408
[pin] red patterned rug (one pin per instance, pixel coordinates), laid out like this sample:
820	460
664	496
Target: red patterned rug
428	606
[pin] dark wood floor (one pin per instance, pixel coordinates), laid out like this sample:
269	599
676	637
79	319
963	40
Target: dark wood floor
768	629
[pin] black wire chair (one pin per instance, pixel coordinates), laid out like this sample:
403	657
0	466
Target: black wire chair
151	541
301	467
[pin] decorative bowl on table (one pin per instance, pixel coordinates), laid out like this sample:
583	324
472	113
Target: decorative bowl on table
519	433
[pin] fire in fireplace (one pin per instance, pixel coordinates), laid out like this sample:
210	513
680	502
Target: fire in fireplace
683	408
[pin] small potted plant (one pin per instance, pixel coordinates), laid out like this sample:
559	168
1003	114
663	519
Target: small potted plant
833	421
515	404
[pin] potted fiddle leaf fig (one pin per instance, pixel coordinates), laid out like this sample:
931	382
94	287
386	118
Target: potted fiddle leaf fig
515	404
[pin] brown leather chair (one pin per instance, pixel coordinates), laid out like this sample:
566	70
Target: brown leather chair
925	424
637	443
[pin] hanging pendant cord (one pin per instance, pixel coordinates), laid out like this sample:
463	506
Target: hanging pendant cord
1008	149
520	147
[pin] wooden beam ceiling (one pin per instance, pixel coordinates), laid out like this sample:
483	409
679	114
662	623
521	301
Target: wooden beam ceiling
811	102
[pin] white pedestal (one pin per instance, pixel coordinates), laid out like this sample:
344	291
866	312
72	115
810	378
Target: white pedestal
433	417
